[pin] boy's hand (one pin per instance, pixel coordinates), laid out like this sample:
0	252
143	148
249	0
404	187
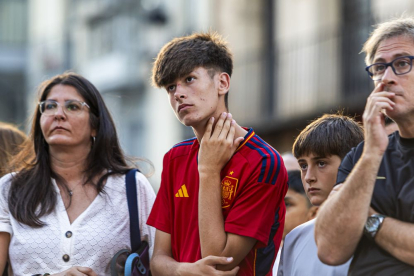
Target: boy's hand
207	266
218	146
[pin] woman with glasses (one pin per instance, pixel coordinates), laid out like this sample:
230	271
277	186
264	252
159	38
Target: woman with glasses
64	211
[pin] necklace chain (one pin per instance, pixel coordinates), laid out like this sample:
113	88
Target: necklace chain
70	191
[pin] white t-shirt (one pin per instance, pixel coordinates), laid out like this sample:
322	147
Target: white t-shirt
90	241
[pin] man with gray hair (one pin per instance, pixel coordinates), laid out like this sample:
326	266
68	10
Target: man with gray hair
372	215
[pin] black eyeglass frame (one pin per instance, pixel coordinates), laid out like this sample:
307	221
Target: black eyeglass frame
389	64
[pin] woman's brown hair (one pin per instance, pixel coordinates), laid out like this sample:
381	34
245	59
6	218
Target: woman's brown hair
31	194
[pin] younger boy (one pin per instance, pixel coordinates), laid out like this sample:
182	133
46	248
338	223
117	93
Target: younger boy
319	148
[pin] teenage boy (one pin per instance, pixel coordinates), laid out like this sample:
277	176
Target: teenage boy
319	148
211	204
371	217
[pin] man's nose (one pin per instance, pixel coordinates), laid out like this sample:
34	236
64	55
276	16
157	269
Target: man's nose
389	76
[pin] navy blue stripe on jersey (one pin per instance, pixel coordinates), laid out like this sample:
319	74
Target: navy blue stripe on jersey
185	143
263	155
269	154
266	255
277	156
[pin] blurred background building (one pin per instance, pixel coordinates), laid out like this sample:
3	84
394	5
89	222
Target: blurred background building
294	60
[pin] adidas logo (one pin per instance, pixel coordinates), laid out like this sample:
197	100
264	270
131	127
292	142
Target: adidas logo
182	192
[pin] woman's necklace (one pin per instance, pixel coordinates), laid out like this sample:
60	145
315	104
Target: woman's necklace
70	191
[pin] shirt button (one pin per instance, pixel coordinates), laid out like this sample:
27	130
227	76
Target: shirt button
66	258
68	234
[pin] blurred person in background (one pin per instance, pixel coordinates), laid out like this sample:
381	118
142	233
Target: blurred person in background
64	211
216	213
11	140
298	207
291	163
319	148
371	218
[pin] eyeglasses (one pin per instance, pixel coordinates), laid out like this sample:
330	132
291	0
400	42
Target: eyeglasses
400	66
71	107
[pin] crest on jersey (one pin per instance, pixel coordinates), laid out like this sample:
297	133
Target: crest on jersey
228	191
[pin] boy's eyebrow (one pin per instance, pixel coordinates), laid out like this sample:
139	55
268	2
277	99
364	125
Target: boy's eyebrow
318	157
313	158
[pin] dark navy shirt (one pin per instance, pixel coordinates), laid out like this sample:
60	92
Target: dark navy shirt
393	196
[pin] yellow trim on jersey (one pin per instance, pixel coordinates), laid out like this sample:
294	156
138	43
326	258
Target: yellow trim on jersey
245	141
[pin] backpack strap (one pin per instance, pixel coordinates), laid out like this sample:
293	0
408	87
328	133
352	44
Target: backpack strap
131	190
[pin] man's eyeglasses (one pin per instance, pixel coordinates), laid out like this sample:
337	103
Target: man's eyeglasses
400	66
71	107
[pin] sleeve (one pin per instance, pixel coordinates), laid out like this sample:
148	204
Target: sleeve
5	223
146	198
348	163
259	208
160	216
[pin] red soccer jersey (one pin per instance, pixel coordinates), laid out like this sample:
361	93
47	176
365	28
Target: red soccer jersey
254	184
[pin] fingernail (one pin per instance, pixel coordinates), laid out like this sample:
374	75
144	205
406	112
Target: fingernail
233	122
224	115
229	259
212	119
229	115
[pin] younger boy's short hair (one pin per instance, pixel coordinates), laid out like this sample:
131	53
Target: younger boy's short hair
331	134
182	55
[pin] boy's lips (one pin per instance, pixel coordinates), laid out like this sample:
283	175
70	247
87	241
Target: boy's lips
183	106
313	190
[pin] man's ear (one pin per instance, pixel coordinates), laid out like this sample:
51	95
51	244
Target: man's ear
223	83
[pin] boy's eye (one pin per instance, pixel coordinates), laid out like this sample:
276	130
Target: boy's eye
321	163
303	166
171	88
189	79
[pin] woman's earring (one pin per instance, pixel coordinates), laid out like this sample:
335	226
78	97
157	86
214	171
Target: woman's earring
93	140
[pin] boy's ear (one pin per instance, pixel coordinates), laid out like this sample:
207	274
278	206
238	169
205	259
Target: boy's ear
312	212
223	83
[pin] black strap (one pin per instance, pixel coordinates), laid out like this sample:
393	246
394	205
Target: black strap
131	190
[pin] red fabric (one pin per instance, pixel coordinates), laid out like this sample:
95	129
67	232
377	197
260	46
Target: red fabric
249	209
